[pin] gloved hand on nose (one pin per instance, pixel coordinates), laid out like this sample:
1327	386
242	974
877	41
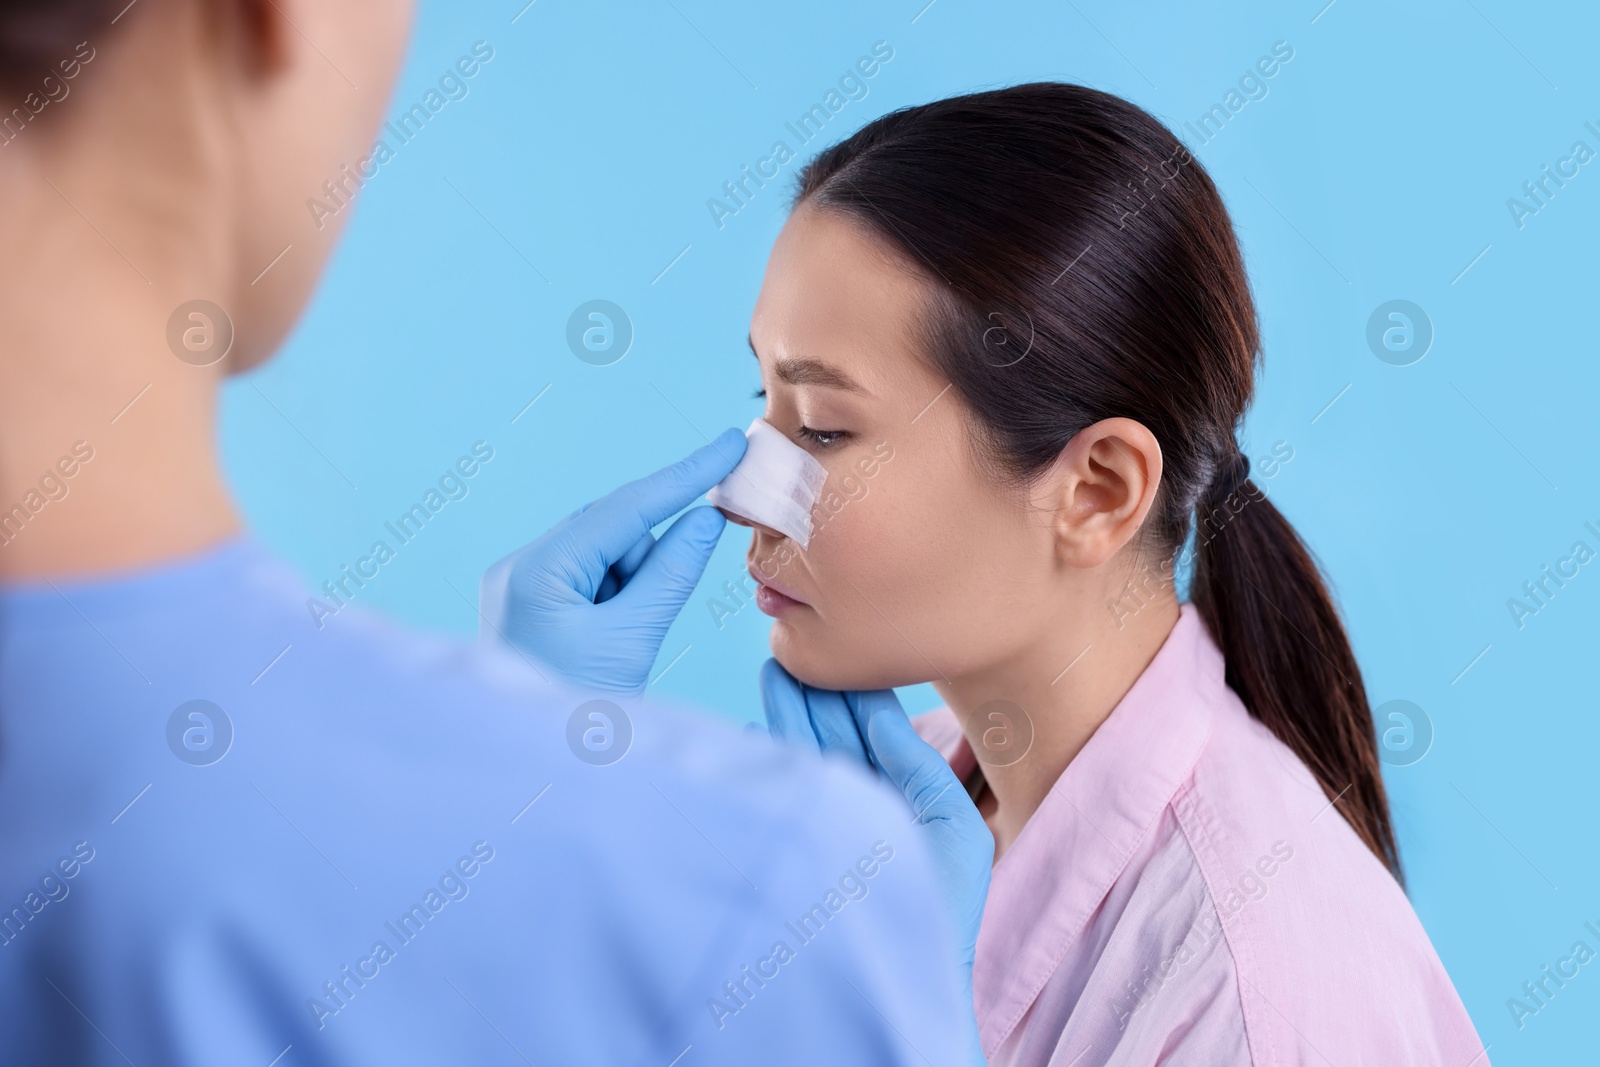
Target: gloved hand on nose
593	598
870	726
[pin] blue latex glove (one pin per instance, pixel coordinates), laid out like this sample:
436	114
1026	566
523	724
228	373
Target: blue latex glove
592	599
870	726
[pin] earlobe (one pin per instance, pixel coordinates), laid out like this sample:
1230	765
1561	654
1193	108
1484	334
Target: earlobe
1101	489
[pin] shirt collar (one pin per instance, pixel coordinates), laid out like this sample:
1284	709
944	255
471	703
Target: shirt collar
1105	804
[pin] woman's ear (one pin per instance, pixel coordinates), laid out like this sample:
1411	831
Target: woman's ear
1100	489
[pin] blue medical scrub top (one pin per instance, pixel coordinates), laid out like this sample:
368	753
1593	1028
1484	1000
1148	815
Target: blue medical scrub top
233	837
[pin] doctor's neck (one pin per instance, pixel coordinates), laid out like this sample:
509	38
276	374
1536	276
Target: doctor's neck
152	195
97	258
106	453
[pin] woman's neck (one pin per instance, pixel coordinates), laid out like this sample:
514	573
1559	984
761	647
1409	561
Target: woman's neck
1028	717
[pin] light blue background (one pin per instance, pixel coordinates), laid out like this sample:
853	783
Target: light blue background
1377	167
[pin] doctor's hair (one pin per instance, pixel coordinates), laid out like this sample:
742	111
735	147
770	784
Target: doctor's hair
35	35
1081	266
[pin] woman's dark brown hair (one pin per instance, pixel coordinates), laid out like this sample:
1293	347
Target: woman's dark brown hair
1084	267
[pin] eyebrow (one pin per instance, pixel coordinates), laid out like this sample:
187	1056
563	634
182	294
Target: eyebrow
811	372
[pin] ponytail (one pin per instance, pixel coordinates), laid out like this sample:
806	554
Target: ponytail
1287	655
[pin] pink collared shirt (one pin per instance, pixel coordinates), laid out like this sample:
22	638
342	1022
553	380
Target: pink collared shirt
1187	895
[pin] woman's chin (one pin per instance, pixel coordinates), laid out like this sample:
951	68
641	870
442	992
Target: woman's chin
824	667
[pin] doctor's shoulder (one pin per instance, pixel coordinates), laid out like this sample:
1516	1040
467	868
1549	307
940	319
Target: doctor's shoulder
623	785
415	796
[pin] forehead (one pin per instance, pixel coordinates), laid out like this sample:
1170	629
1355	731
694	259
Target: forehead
836	293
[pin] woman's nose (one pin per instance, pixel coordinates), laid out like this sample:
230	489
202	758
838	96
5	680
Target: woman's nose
762	530
766	539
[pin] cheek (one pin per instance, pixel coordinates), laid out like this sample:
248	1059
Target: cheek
861	579
905	587
860	555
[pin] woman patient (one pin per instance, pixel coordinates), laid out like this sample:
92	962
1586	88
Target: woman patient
1016	328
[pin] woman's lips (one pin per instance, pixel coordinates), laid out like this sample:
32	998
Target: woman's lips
771	602
774	599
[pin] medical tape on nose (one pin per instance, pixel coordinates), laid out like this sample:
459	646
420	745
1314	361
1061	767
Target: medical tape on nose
776	484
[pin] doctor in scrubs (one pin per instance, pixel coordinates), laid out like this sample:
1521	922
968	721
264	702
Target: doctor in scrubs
233	835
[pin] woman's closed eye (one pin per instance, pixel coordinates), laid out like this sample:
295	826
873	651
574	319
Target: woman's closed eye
824	438
820	438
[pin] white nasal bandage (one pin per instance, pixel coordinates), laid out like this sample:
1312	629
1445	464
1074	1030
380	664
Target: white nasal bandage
775	484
